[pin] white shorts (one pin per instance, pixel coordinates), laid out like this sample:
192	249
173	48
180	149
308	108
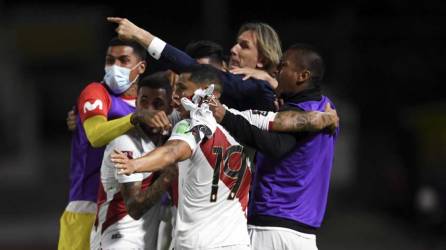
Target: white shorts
130	234
279	238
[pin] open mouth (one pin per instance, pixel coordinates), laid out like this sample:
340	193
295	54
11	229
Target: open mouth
234	63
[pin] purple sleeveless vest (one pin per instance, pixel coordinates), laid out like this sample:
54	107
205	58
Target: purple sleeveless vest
296	187
86	161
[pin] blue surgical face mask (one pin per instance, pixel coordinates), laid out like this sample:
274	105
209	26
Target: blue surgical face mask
118	78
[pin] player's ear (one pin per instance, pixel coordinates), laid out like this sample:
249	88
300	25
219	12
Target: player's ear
259	65
142	67
303	76
260	62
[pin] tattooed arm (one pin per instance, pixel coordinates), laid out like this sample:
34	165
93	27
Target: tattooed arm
273	144
138	201
284	121
292	121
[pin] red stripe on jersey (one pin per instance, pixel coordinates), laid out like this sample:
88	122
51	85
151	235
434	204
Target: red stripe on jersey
102	197
117	209
218	140
173	191
270	125
233	163
148	181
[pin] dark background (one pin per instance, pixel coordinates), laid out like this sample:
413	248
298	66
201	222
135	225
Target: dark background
384	62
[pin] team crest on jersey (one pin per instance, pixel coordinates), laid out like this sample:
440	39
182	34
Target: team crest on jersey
200	128
128	153
88	106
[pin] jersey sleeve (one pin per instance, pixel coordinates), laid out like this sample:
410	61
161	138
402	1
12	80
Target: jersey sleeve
126	145
183	131
174	117
93	100
261	119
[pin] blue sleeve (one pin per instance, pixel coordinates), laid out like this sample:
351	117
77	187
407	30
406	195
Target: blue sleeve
241	89
237	93
246	94
175	59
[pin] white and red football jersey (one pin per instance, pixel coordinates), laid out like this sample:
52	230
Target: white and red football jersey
114	227
261	119
213	190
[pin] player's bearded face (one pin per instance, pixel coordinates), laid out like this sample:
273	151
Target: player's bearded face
183	88
183	112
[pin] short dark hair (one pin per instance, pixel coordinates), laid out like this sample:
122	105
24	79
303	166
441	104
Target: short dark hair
205	74
307	57
157	80
137	48
204	48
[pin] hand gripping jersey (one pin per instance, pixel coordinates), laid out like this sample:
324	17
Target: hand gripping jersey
114	227
213	190
86	160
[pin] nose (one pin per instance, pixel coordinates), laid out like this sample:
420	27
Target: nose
234	49
175	103
118	63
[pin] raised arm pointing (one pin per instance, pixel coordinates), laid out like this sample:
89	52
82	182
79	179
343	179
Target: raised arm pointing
127	30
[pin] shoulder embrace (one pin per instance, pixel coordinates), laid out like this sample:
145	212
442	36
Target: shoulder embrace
122	142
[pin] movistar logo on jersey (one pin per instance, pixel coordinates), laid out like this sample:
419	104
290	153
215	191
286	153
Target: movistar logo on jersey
88	106
182	128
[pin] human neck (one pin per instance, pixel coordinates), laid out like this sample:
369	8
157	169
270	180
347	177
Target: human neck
131	92
311	92
157	138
